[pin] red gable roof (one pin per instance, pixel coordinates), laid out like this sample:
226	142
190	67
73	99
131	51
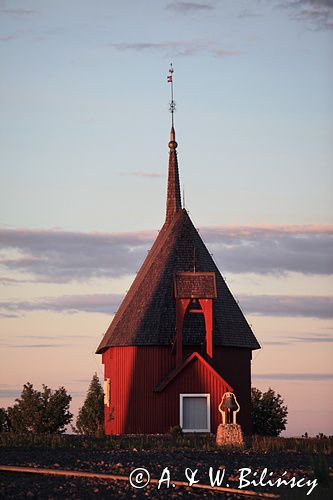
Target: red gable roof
174	373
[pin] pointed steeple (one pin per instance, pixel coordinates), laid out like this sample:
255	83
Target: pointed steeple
173	203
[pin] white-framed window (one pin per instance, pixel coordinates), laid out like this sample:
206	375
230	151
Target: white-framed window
195	412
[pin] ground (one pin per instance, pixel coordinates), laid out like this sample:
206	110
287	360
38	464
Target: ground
154	456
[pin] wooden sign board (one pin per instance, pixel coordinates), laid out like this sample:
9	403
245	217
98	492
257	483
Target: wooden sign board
195	285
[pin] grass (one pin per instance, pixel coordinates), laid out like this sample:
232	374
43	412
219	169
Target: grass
265	444
122	442
258	444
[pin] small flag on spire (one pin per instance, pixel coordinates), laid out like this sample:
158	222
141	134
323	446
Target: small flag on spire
172	104
169	77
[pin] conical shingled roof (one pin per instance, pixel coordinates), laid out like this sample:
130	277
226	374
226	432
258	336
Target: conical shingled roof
147	315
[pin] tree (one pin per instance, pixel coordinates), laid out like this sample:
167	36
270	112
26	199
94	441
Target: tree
269	415
38	412
90	418
55	413
4	424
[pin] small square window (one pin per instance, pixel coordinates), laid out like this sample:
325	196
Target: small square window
195	412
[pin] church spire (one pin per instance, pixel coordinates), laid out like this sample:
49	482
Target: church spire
173	204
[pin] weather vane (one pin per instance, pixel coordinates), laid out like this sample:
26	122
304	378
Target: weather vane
172	106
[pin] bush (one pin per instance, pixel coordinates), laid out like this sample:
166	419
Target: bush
269	415
38	412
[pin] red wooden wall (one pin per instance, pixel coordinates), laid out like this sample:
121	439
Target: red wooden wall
134	372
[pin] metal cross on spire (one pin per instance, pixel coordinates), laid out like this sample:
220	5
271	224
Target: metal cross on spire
172	104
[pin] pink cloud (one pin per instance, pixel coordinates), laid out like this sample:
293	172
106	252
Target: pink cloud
262	305
61	256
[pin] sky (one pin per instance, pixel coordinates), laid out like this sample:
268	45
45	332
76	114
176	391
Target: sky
84	132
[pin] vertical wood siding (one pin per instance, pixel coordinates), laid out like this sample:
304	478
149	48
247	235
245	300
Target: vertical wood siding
134	372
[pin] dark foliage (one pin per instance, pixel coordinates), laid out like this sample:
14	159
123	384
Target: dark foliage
36	412
269	415
90	419
4	423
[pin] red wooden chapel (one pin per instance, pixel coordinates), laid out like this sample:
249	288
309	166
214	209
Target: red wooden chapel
179	340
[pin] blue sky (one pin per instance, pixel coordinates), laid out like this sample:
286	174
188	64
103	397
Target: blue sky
84	133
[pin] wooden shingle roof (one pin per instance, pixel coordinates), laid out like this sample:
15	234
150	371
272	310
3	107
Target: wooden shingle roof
147	315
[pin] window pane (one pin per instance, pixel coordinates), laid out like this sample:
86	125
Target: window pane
195	412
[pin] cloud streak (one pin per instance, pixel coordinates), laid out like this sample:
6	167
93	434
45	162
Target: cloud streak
50	337
56	256
314	338
62	256
142	174
272	249
247	13
19	12
316	14
288	305
35	346
189	7
263	305
98	303
10	393
8	38
293	376
176	48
